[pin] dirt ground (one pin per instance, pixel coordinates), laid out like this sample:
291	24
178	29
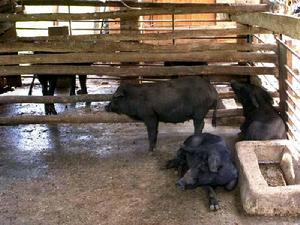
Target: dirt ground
103	174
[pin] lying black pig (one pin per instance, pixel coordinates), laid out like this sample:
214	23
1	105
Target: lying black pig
172	101
262	120
208	163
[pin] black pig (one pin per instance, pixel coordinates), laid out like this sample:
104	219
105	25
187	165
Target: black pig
262	120
208	163
172	101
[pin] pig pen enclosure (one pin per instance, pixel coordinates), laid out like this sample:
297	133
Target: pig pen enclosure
88	166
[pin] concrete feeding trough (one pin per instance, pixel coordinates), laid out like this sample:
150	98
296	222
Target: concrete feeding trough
259	194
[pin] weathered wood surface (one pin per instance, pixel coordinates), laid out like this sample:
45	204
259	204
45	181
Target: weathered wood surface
282	24
108	46
149	71
81	98
99	117
282	79
203	32
208	56
200	8
55	99
219	6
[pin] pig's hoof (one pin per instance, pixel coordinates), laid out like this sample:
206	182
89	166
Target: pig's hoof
214	205
181	185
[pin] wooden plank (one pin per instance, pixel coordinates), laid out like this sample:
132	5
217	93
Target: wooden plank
81	98
282	24
201	8
219	6
99	117
108	46
148	71
203	32
282	78
55	99
208	56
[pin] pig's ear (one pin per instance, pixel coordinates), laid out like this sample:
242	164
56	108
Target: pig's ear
254	100
119	93
266	97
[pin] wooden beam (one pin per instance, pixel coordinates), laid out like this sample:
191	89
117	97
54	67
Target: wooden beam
108	46
282	24
99	117
208	56
81	98
55	99
148	71
234	7
203	32
127	13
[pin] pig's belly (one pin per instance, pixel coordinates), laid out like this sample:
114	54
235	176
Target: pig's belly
174	117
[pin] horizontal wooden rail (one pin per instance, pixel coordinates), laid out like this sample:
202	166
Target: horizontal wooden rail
148	71
208	56
294	131
99	117
200	8
292	73
108	46
204	32
55	99
110	15
282	24
219	6
80	98
288	48
293	100
293	109
291	87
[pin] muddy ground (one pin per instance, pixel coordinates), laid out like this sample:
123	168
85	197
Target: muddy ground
103	174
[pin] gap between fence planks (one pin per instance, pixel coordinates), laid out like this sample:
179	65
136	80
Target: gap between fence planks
148	71
127	13
208	56
204	32
109	46
99	117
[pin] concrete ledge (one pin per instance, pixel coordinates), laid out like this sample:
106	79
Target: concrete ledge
257	196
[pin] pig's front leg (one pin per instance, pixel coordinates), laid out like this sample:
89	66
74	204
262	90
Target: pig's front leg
212	198
152	128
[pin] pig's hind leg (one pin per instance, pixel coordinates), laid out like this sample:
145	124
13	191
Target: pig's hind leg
199	121
212	198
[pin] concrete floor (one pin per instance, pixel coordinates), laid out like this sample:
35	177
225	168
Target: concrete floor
103	174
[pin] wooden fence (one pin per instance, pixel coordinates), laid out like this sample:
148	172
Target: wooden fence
110	54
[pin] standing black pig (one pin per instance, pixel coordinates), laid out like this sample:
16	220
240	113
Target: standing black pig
172	101
262	120
207	162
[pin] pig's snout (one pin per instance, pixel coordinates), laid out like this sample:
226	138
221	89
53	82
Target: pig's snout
181	184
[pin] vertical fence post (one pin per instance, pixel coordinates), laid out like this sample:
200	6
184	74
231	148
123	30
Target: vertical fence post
289	62
130	26
282	61
173	28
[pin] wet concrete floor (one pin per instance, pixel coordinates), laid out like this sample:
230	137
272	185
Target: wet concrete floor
103	174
